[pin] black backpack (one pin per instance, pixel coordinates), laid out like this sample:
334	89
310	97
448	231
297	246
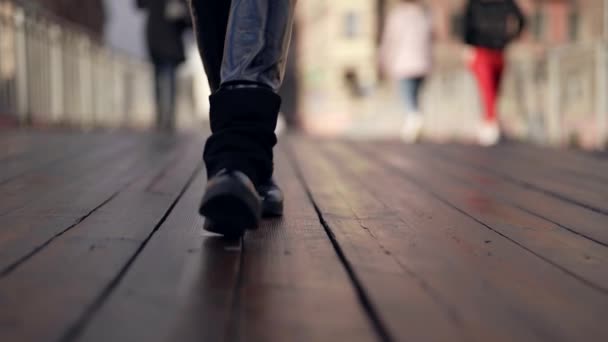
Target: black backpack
492	23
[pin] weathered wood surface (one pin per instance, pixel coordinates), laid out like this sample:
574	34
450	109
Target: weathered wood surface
100	240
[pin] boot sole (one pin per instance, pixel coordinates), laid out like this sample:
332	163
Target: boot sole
232	208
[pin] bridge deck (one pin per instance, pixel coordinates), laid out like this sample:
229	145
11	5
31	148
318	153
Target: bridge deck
100	241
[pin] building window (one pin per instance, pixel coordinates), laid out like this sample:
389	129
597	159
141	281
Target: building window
351	25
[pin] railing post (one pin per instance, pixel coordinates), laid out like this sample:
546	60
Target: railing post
553	115
86	86
56	71
21	83
56	66
67	76
601	94
7	60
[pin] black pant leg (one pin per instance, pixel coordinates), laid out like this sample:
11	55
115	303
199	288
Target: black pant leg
165	84
210	19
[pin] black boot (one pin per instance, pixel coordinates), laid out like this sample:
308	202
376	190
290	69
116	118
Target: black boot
243	121
272	206
272	198
239	159
231	203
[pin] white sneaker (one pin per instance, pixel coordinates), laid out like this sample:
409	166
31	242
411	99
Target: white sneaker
489	133
412	127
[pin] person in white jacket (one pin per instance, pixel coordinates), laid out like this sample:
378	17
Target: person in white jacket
406	57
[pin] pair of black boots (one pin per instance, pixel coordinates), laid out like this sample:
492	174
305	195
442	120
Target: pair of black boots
239	159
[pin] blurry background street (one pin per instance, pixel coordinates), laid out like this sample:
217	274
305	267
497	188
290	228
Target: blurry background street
553	91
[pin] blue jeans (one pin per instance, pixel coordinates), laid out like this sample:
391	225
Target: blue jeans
165	86
410	92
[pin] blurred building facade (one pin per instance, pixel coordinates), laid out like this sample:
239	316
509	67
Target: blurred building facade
336	58
89	14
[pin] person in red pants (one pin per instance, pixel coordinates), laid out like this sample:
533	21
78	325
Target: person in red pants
489	26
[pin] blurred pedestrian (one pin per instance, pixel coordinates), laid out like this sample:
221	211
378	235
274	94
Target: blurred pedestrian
406	57
489	26
167	21
244	47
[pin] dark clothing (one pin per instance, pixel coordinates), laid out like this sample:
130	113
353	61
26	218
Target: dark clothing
164	35
243	121
244	46
492	24
166	90
164	31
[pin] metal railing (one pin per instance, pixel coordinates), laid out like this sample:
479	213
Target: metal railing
56	73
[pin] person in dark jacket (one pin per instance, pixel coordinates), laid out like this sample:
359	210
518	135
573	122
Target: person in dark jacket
489	26
167	21
243	44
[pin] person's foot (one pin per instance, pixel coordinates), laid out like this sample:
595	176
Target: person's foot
272	199
272	203
412	127
231	203
489	133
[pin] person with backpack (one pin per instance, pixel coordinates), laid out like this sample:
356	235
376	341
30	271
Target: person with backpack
489	27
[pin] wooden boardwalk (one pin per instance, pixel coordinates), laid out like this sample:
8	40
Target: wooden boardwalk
100	241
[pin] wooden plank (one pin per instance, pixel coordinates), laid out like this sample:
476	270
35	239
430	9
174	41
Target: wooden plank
43	150
182	278
293	281
72	276
580	257
491	288
285	284
592	195
47	182
551	175
402	301
575	164
547	168
14	143
580	220
33	226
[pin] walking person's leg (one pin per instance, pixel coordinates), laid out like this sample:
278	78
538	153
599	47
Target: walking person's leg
210	24
158	92
412	124
244	106
483	70
165	83
407	92
418	84
171	90
498	67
